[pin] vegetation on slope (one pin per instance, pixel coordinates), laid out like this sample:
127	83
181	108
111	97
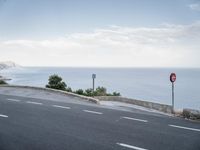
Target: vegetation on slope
56	82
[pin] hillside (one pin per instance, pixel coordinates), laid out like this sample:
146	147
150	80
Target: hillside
7	64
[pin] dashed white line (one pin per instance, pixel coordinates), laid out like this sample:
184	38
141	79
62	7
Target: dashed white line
14	100
135	119
93	112
186	128
131	147
4	116
36	103
58	106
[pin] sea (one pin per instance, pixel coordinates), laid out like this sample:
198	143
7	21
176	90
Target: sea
149	84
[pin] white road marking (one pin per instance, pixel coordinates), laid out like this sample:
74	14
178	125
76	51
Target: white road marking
187	128
93	112
4	116
36	103
130	146
14	100
135	119
58	106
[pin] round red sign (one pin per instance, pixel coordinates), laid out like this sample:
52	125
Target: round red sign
173	77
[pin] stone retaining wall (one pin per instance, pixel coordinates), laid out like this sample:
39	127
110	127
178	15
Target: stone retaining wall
151	105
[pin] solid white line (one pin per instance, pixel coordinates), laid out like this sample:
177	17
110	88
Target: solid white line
3	116
135	119
36	103
187	128
58	106
93	112
14	100
130	146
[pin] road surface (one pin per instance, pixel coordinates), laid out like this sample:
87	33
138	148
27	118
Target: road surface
37	124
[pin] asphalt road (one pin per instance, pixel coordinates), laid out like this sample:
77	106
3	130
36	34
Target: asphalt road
36	124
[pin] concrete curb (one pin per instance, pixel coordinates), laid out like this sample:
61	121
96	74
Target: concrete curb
90	99
156	106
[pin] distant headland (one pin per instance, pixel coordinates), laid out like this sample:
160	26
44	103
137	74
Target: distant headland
7	64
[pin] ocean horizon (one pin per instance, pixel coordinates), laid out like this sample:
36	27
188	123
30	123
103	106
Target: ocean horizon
149	84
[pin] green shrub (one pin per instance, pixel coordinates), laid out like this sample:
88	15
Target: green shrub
116	94
2	82
89	92
80	92
100	91
68	89
55	82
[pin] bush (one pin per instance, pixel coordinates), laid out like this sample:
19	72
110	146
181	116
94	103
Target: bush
116	94
68	89
55	82
89	92
100	91
2	82
80	92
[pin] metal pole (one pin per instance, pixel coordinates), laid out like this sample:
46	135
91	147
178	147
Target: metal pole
93	84
172	97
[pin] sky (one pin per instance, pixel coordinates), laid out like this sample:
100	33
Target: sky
101	33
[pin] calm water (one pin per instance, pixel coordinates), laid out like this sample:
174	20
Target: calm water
140	83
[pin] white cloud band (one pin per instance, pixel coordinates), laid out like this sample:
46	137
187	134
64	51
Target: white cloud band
165	46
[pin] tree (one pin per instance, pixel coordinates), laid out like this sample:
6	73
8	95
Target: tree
55	82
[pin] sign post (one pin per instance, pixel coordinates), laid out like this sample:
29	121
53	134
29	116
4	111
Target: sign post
173	79
93	78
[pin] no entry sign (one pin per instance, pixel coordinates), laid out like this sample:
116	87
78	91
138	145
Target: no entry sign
173	77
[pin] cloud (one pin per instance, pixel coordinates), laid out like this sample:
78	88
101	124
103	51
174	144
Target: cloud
165	46
195	6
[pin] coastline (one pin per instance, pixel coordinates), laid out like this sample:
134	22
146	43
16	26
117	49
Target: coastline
114	101
146	84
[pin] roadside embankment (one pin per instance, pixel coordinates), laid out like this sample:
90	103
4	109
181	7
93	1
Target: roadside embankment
34	91
53	94
156	106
